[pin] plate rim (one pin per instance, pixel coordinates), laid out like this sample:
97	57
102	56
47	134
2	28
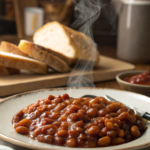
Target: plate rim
27	145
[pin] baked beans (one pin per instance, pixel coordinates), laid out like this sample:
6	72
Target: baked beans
78	122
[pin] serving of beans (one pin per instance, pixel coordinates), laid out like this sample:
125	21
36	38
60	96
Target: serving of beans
79	122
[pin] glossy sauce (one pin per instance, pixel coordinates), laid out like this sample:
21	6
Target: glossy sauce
78	122
142	79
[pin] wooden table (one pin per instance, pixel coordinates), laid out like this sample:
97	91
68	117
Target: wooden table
107	51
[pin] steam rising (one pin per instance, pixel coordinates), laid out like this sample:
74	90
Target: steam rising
86	13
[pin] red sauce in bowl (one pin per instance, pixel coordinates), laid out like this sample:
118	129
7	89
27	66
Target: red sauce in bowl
142	79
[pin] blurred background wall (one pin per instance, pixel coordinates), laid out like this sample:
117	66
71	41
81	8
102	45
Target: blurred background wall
12	21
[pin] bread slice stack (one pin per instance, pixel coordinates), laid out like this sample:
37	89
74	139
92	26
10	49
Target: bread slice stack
21	62
55	46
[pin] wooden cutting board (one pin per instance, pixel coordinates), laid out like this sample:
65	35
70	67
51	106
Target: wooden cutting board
107	70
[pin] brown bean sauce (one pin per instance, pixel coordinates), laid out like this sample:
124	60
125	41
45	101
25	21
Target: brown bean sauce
78	122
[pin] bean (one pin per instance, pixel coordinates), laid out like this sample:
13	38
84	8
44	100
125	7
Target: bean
22	130
114	114
104	131
94	130
15	119
112	133
101	125
20	114
132	120
96	106
59	140
48	139
45	121
52	130
86	118
125	127
95	100
135	131
90	144
78	124
60	107
103	100
116	127
103	112
57	124
76	102
55	115
109	126
82	136
57	100
62	133
65	97
73	133
88	125
24	122
121	110
117	141
123	116
92	112
141	125
128	136
121	133
114	107
40	138
131	112
71	142
51	97
105	141
80	142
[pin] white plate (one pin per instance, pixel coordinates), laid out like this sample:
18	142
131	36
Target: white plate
10	106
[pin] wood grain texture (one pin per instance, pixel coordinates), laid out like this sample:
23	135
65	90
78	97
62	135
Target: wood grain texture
107	70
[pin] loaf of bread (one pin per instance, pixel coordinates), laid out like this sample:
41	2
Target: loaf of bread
45	55
21	62
74	45
11	48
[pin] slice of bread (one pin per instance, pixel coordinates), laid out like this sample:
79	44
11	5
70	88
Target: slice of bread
3	71
44	55
21	62
74	45
11	48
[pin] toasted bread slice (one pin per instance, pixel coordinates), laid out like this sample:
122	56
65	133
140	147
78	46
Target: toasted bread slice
74	45
11	48
44	55
21	62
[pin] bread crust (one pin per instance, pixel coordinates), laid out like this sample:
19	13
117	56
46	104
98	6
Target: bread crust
11	48
20	62
81	43
44	55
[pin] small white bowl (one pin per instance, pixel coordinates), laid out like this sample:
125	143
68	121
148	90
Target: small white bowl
142	89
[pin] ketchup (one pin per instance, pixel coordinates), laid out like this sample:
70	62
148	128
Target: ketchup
142	79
